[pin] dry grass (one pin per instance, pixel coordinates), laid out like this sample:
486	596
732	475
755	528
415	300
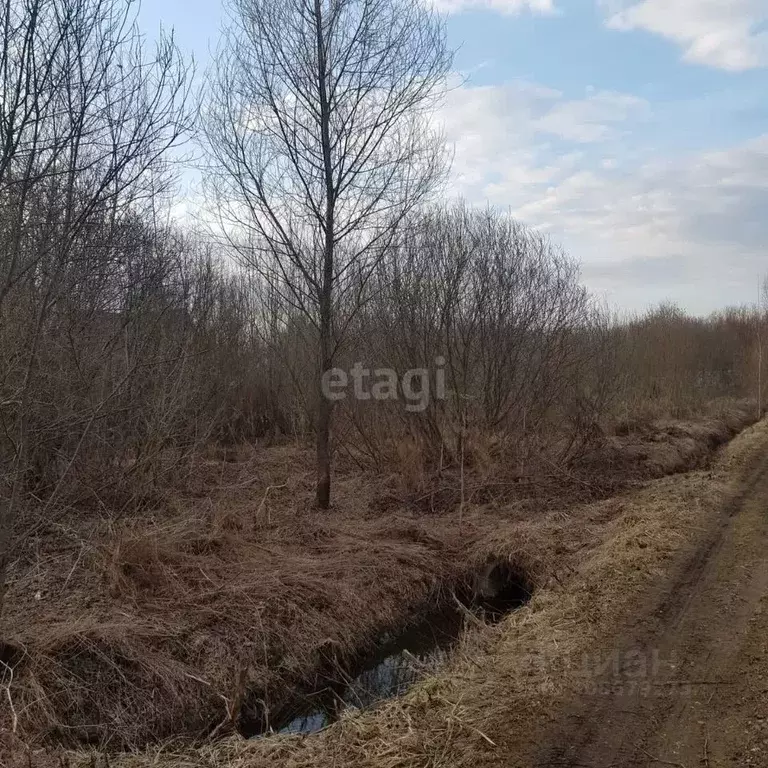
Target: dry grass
491	705
139	630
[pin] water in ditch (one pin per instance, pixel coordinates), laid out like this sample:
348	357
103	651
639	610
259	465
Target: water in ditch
399	659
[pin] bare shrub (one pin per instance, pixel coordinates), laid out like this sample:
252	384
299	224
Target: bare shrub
505	310
668	363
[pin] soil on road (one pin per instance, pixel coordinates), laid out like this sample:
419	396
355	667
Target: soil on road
689	684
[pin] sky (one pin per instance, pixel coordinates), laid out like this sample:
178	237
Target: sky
633	132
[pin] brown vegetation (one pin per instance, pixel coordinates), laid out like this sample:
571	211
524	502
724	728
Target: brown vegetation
493	704
162	563
164	624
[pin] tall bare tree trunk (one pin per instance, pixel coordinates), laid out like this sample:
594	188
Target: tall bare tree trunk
325	406
6	523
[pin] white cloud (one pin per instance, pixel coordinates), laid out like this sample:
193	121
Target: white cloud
727	34
510	137
509	7
646	227
692	229
594	118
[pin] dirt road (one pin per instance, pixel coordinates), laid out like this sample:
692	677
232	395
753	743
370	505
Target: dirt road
688	686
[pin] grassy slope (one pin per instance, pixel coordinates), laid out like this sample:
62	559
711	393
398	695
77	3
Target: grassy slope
153	627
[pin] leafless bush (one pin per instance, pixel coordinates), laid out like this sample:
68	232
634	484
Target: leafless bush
670	363
87	118
518	333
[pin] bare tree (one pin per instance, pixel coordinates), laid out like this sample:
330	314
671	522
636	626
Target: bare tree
321	143
86	119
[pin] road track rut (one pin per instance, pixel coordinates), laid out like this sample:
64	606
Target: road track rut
690	684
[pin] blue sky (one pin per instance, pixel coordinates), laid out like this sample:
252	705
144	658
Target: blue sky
635	132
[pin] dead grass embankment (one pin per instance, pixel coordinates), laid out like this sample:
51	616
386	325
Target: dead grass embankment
130	632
